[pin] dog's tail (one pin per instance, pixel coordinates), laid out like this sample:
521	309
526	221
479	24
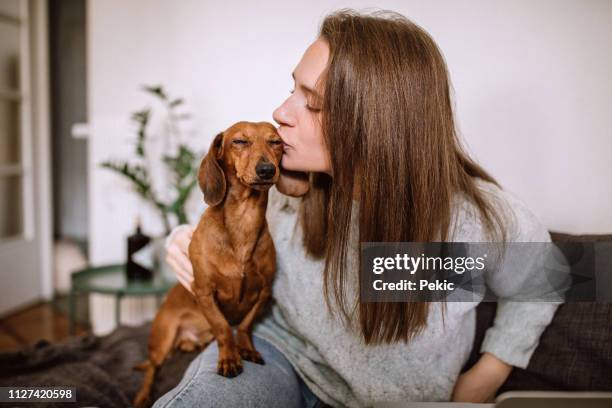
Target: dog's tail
142	366
143	398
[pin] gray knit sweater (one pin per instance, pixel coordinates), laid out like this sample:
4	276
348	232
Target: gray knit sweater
335	363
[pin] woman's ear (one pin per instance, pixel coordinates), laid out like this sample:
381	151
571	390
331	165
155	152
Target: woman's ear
211	176
293	183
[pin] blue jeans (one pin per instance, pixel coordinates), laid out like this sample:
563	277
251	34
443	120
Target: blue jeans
274	384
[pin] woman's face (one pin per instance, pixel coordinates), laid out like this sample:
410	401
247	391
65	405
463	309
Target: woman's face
299	116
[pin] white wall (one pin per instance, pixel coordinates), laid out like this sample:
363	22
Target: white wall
532	81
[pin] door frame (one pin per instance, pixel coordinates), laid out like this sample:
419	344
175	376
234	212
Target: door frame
36	153
41	135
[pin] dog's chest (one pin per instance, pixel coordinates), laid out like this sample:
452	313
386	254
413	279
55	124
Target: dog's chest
236	296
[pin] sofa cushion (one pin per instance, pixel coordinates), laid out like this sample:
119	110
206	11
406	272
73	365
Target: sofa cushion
575	350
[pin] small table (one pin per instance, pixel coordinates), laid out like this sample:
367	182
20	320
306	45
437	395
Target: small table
112	280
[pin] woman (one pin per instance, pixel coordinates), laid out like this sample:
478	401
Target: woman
371	155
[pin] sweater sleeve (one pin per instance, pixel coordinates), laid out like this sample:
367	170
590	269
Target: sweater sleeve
517	329
518	325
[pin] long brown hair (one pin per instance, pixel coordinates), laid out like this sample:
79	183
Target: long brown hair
387	122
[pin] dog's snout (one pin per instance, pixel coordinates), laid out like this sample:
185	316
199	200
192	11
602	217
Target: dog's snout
265	170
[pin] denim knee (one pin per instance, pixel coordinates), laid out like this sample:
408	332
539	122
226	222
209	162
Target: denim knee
274	384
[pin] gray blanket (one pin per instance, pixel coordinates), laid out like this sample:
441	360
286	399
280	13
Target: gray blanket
100	368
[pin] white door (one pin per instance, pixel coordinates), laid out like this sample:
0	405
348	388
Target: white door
23	276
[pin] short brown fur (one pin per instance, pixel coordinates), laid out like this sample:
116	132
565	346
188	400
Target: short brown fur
231	252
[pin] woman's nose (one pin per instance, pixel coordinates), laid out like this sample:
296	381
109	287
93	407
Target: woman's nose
282	116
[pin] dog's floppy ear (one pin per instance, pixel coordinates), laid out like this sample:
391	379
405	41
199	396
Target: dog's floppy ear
293	183
211	176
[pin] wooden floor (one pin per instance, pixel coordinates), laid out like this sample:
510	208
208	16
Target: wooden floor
45	320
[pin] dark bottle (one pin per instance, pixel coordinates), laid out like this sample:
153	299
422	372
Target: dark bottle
136	242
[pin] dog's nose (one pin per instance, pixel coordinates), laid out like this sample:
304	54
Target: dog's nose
265	170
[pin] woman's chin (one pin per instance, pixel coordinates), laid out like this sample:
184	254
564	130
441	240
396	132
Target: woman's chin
287	164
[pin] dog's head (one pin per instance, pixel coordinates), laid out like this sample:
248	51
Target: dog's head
247	153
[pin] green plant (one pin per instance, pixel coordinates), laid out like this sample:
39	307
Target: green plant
182	165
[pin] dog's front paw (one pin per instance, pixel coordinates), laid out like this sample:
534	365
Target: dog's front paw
252	355
229	366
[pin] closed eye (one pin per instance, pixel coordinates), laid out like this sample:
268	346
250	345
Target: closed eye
275	142
310	108
307	106
240	141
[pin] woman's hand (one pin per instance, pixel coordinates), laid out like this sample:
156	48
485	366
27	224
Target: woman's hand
177	254
481	382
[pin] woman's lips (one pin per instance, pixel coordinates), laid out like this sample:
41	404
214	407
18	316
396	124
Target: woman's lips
285	144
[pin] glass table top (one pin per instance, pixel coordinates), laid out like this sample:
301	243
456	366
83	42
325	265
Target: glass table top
113	279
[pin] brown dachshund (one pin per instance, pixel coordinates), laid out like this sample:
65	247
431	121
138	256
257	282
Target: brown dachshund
231	252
